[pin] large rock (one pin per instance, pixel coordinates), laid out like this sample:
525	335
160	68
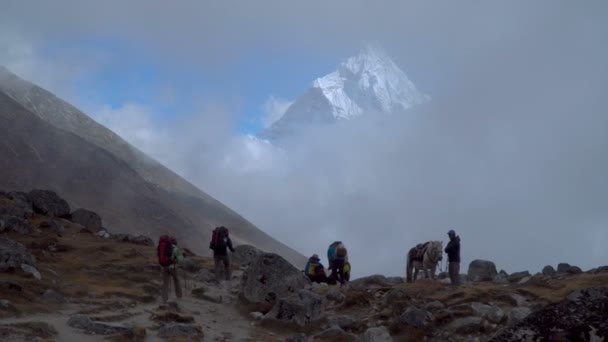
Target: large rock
580	317
518	276
22	205
15	224
379	334
87	218
492	313
344	321
482	270
517	315
563	267
31	271
335	295
270	278
394	295
13	254
301	308
370	281
466	325
53	296
244	255
416	317
548	270
47	202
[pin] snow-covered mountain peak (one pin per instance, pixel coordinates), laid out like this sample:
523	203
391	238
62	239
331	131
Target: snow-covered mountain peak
369	82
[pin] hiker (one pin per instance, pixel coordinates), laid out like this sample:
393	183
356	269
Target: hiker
315	270
336	254
168	256
220	243
453	252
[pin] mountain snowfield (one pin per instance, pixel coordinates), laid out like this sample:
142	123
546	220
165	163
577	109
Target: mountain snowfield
369	82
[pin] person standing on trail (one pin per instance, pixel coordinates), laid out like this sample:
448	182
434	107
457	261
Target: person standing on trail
168	256
336	254
453	252
220	243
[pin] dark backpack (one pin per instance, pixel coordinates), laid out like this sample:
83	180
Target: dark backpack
164	250
218	238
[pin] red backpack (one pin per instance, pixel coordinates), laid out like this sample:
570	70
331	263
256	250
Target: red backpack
165	249
218	237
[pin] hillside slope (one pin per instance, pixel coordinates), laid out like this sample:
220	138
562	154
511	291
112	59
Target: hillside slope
132	193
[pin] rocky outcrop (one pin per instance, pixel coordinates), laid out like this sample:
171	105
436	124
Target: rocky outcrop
518	276
482	270
370	281
15	224
301	308
581	317
269	279
416	317
31	271
244	255
13	254
548	270
492	313
47	203
21	205
87	219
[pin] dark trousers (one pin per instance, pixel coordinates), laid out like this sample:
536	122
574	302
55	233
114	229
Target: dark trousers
337	270
454	271
318	278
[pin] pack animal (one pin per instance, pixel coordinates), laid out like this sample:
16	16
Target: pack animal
431	256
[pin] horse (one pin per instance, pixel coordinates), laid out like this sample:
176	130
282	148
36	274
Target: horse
433	253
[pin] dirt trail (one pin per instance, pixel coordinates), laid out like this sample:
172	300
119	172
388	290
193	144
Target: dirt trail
219	321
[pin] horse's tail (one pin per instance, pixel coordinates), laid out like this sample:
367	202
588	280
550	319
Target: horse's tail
408	269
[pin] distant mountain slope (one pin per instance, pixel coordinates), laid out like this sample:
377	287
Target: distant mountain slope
367	83
60	148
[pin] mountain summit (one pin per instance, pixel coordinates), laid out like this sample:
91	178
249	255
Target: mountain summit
369	82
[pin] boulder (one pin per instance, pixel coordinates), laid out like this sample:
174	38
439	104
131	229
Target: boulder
99	328
270	278
500	278
379	334
335	295
52	226
574	270
416	317
577	318
492	313
178	330
32	271
466	325
517	315
15	224
562	267
87	219
333	331
301	308
47	203
518	276
481	270
394	295
344	321
548	270
244	255
13	254
370	281
601	269
104	234
22	205
434	305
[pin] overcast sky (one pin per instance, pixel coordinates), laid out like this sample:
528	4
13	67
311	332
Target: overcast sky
511	152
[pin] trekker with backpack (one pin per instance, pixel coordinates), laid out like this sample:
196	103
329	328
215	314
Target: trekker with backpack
453	252
315	270
168	255
220	243
336	253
